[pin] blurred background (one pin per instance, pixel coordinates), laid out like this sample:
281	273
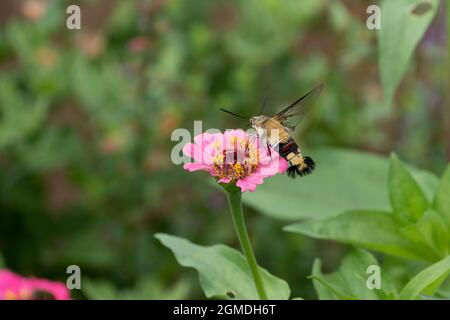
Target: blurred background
86	118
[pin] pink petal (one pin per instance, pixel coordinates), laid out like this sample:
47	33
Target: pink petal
10	281
23	288
230	135
196	166
245	185
205	138
255	178
224	180
282	165
195	152
57	289
277	165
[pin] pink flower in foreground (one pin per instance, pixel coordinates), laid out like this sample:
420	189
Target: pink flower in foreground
16	287
234	157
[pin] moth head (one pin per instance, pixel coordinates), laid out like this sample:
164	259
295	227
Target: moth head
257	121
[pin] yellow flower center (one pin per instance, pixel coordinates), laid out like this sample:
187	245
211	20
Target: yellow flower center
236	162
23	294
10	295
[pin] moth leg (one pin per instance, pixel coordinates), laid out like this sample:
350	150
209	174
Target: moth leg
253	137
269	152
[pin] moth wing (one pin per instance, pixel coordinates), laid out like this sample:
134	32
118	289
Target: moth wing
290	116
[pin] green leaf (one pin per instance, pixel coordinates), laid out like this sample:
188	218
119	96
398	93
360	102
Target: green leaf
327	289
425	279
375	230
350	280
427	297
427	181
346	179
223	271
429	236
435	232
442	199
403	24
407	199
435	285
414	236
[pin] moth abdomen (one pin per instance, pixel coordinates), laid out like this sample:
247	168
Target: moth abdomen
304	168
298	164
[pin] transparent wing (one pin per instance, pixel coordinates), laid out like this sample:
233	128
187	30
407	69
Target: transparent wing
292	114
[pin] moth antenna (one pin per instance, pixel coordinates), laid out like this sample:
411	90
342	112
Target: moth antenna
234	114
264	105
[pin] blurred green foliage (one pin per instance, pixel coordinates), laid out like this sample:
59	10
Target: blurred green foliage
86	118
404	23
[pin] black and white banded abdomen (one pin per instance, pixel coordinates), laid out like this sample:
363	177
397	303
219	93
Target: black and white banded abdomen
298	164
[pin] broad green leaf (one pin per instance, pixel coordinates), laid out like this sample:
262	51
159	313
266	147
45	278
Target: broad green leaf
434	231
403	24
327	288
427	297
432	288
444	290
375	230
346	179
350	280
343	180
407	199
442	200
223	271
429	236
427	181
414	236
426	278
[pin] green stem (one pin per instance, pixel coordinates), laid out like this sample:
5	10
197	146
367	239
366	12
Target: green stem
235	204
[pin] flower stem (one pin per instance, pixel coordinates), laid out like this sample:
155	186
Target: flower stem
235	204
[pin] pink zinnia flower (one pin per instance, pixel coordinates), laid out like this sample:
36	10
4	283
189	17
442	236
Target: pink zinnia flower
16	287
234	157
